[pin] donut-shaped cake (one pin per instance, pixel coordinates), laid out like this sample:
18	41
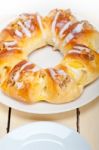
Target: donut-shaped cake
78	41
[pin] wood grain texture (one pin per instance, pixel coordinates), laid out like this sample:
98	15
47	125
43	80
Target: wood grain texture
3	120
89	123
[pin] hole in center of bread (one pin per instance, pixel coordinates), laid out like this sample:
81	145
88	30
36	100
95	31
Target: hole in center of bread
46	57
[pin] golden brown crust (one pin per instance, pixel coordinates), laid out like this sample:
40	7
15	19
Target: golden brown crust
25	81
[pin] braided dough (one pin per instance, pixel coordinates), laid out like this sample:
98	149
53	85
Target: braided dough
78	41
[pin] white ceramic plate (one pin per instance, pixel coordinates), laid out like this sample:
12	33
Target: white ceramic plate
43	136
82	10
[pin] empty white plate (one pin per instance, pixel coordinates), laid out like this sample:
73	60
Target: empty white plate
43	136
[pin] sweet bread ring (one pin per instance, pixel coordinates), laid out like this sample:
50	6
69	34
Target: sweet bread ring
76	40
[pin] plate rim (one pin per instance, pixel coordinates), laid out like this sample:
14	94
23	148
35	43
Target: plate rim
52	111
66	132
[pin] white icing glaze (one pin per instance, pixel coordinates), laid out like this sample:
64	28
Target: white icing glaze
17	75
57	72
71	35
13	48
10	43
62	72
65	27
19	85
18	33
68	38
28	24
53	73
60	24
81	48
25	30
78	28
74	51
35	69
53	26
41	26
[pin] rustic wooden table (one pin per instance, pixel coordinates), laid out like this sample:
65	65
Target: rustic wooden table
85	120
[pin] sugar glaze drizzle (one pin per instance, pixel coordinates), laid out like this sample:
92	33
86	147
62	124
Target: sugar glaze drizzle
54	73
65	27
11	45
17	75
72	34
25	30
34	69
41	25
78	49
53	26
